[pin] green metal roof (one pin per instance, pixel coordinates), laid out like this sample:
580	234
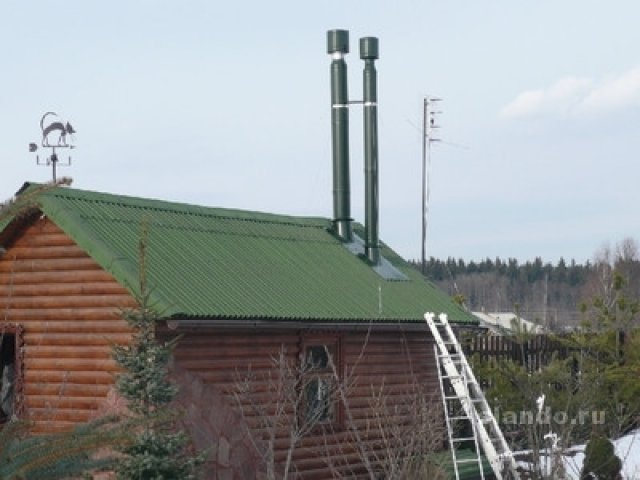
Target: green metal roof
218	263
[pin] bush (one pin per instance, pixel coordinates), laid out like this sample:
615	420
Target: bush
600	461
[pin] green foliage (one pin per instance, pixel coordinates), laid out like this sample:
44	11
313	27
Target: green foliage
158	454
144	382
60	455
158	451
588	385
529	272
600	461
459	299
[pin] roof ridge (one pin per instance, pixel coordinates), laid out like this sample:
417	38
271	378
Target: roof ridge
189	208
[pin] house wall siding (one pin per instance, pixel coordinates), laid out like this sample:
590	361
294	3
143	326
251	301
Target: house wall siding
389	363
70	310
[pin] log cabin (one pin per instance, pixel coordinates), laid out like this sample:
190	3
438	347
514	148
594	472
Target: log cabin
302	341
240	288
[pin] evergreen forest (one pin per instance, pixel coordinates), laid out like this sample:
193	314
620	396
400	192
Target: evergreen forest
551	294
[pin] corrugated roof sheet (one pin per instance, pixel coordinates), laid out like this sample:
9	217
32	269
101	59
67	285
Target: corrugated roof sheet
219	263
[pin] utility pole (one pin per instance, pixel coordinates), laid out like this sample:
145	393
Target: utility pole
429	125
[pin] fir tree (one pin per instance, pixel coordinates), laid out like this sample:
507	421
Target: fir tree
158	451
60	455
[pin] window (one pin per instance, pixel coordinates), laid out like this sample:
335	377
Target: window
10	372
319	396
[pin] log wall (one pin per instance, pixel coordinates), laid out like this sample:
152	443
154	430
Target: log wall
383	364
69	308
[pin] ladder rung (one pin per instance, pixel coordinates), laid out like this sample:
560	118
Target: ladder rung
462	398
450	354
463	439
453	397
467	460
460	417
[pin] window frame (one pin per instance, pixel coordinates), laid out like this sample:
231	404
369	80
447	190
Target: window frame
333	344
17	332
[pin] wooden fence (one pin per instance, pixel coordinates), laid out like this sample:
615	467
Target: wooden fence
534	353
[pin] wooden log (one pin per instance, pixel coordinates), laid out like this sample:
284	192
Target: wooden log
67	389
87	328
55	239
394	379
70	365
205	352
406	360
45	415
62	289
42	225
48	265
43	314
37	278
54	402
65	377
315	462
46	252
381	369
69	301
227	364
226	339
36	340
384	349
68	351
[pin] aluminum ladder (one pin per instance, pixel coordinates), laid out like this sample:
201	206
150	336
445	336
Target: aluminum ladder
472	406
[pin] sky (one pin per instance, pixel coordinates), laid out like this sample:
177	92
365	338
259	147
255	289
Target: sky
227	104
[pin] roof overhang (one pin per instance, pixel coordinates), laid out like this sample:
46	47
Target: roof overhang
187	324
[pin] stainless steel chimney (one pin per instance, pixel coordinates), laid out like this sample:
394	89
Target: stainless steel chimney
369	53
337	47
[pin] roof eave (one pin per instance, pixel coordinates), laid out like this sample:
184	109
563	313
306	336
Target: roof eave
180	324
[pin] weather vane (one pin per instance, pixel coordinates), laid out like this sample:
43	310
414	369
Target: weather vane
50	129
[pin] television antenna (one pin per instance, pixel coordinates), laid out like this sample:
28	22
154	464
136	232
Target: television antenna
51	127
429	127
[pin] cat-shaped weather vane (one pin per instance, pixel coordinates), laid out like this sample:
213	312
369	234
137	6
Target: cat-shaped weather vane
55	134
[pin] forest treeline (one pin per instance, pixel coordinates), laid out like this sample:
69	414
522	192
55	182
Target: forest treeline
551	294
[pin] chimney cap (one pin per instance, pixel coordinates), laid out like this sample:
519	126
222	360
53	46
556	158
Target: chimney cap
337	41
369	48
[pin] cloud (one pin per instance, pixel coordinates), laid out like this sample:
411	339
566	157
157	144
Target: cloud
577	96
615	93
559	98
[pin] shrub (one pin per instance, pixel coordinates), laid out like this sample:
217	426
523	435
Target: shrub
600	461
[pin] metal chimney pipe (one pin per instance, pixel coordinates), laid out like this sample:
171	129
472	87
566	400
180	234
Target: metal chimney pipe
369	53
337	47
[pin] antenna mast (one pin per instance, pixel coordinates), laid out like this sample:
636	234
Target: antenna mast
429	125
